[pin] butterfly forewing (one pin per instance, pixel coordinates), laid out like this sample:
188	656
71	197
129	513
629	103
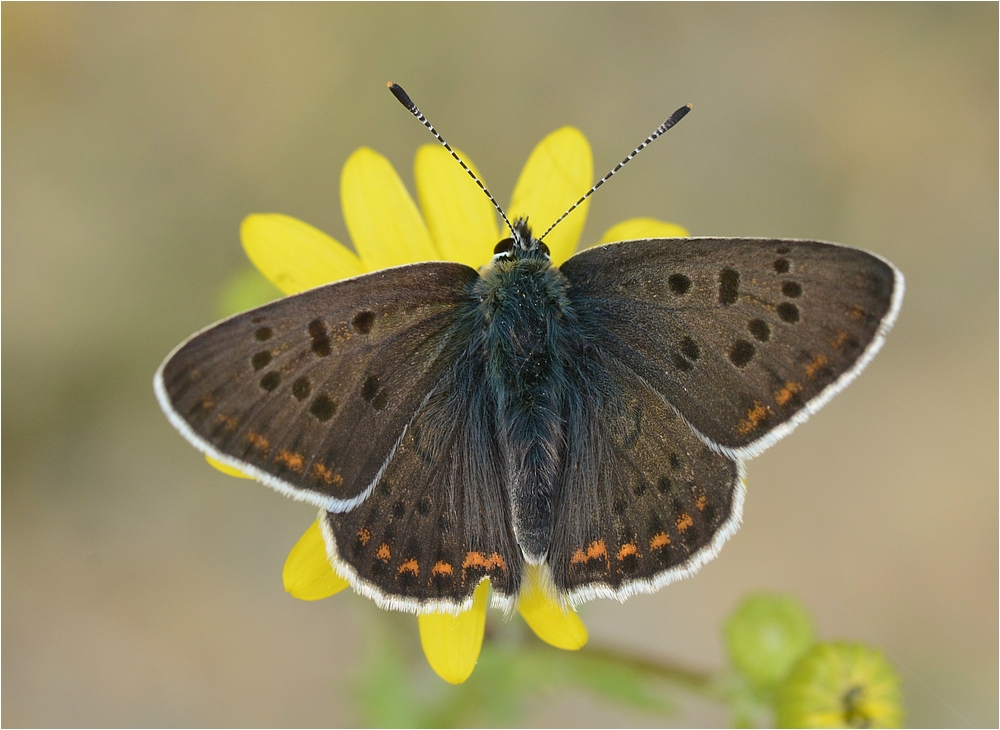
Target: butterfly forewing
313	393
641	500
743	337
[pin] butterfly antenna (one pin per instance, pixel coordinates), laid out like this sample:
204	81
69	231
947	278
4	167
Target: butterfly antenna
674	118
405	100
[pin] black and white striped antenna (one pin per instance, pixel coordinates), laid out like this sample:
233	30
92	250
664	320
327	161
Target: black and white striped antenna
674	118
405	100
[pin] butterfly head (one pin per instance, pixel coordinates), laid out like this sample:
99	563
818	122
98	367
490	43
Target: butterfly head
522	244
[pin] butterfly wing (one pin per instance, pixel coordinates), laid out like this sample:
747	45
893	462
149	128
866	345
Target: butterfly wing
702	352
744	338
439	520
362	397
313	393
641	500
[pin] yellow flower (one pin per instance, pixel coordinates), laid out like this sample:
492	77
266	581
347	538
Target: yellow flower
454	222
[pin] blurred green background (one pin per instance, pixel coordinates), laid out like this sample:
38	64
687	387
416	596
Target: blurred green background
140	587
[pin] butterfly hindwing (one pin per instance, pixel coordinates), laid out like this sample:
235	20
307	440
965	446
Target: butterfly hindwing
312	393
743	337
641	500
438	521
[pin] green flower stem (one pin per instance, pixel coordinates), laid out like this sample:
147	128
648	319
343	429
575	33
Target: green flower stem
699	682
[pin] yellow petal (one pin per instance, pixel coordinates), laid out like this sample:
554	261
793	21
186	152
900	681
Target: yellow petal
634	228
562	629
307	574
452	643
225	468
461	219
559	170
294	255
381	217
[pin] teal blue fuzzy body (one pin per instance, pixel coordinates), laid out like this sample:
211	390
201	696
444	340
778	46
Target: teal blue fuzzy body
531	339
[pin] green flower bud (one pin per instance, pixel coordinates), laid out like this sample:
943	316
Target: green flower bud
765	636
840	685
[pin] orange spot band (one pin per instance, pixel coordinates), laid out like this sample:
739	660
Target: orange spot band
321	472
816	365
595	551
290	459
410	566
258	441
229	422
627	549
754	416
660	540
787	392
478	560
441	568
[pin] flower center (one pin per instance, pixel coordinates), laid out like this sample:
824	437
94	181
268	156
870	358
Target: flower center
853	714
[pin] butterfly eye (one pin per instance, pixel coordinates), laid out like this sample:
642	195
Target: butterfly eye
504	246
544	249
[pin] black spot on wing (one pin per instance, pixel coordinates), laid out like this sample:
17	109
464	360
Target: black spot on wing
323	407
741	353
729	286
370	388
759	329
791	289
681	362
363	321
788	312
690	348
679	284
301	388
320	339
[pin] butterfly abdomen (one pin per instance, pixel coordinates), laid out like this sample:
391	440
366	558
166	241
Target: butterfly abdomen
526	314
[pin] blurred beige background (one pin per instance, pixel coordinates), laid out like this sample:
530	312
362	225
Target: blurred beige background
140	587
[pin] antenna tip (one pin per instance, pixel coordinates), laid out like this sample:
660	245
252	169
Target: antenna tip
690	106
389	84
676	116
401	95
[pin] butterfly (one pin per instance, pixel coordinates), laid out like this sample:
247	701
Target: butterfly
456	425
